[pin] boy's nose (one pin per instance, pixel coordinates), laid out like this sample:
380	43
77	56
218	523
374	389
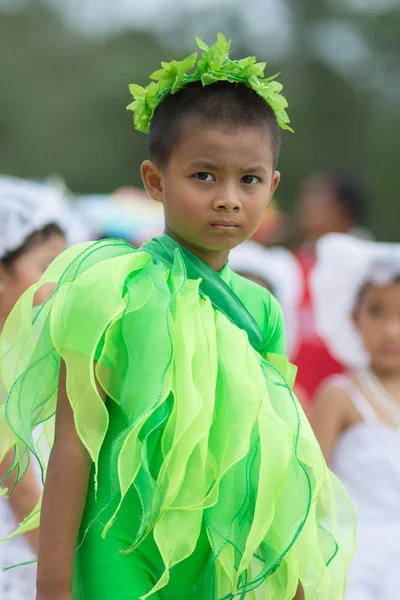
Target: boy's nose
228	201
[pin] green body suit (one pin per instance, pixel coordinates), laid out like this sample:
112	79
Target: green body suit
207	482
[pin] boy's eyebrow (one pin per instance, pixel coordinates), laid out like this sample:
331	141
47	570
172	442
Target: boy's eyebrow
204	164
255	169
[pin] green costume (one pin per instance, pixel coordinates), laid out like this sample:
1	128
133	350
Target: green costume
207	481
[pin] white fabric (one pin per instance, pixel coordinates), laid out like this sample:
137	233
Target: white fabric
281	271
366	460
344	264
18	583
27	206
358	399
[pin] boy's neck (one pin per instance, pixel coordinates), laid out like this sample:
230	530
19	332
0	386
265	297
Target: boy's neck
216	259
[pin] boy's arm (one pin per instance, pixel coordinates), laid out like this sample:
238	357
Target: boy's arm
24	498
63	503
299	594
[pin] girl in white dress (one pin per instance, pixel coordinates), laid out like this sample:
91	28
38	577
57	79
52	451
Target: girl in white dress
356	417
31	237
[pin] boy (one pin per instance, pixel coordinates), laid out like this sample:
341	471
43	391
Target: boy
206	480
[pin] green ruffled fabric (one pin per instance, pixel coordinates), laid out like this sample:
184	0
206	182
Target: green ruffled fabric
237	453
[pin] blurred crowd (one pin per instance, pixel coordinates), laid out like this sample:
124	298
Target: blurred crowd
339	293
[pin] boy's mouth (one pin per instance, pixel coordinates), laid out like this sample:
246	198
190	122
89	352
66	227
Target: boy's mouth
226	225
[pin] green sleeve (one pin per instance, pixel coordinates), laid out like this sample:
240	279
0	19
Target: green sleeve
275	331
265	309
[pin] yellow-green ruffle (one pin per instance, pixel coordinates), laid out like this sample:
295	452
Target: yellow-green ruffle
236	453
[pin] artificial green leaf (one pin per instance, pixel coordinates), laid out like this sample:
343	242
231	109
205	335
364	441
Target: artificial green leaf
276	86
216	62
202	45
254	82
222	43
271	78
207	79
136	90
258	69
163	85
160	75
167	66
214	65
203	64
178	85
151	95
189	62
225	77
245	62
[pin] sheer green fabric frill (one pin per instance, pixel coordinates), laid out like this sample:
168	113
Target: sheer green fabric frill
214	437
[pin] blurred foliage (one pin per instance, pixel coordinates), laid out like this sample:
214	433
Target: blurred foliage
63	97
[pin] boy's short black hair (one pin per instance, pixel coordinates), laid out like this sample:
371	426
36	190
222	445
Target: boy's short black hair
35	238
221	103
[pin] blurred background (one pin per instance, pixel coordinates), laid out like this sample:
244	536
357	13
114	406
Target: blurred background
65	66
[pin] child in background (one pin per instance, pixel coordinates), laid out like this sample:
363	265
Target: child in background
356	417
182	466
330	202
30	239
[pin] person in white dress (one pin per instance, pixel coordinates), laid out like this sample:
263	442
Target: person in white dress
32	219
356	416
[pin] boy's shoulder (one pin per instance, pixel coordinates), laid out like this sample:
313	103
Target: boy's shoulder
249	291
263	306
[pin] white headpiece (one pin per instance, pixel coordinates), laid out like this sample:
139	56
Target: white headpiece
344	265
280	269
26	207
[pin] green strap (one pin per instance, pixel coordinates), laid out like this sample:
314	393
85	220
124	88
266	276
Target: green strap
222	297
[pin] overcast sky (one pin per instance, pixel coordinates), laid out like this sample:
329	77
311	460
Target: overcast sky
106	15
265	23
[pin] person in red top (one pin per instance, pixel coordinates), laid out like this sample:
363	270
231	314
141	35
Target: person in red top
330	202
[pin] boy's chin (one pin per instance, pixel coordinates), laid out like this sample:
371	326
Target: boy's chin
214	242
225	240
225	245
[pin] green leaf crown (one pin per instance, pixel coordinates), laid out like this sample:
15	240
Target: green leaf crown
214	65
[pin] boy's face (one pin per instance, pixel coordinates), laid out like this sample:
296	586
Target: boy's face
215	188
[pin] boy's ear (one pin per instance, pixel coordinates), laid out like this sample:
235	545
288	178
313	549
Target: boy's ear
152	180
2	277
276	177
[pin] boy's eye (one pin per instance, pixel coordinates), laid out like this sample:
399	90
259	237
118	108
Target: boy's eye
204	176
251	179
